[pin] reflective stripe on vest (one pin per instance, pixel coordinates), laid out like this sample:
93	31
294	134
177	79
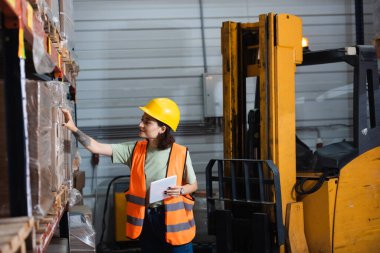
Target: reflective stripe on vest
136	200
181	226
179	205
179	219
135	221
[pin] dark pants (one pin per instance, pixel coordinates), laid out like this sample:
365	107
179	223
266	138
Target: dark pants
152	239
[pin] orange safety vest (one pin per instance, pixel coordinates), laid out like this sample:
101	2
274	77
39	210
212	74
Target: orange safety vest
179	218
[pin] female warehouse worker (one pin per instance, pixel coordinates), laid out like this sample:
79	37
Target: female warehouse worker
168	225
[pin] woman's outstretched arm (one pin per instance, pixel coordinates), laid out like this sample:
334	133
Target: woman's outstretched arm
89	143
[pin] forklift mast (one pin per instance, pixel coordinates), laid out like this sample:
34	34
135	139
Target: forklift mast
268	50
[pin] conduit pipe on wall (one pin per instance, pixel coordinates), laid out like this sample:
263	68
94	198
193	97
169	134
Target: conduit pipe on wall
359	23
203	36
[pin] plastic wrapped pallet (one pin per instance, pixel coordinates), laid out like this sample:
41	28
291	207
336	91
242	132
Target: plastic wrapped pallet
82	233
50	9
66	8
67	23
4	191
39	130
54	7
42	61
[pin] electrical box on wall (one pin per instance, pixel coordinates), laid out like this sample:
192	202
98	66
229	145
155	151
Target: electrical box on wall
213	95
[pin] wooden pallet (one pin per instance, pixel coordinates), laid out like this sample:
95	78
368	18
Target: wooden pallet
61	197
14	232
46	225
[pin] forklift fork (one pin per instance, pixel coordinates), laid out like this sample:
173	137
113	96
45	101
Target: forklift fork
245	211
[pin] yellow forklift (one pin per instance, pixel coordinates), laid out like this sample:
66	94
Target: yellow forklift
271	193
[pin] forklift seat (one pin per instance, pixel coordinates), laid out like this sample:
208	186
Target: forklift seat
334	156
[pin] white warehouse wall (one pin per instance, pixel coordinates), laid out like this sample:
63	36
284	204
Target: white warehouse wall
132	51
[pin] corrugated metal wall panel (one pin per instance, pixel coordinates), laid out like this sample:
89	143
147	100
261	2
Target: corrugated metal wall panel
131	51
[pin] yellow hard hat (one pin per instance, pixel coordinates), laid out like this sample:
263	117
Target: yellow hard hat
164	110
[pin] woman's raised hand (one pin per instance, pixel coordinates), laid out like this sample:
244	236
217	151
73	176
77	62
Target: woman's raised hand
69	123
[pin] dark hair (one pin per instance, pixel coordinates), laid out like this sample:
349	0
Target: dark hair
166	139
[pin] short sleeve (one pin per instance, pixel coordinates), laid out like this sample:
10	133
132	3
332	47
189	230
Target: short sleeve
122	152
190	176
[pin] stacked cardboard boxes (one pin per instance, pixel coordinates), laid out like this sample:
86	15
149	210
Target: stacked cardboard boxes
39	130
49	160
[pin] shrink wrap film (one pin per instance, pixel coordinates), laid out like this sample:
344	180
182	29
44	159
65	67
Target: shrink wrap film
67	26
42	61
62	147
50	8
39	130
82	234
